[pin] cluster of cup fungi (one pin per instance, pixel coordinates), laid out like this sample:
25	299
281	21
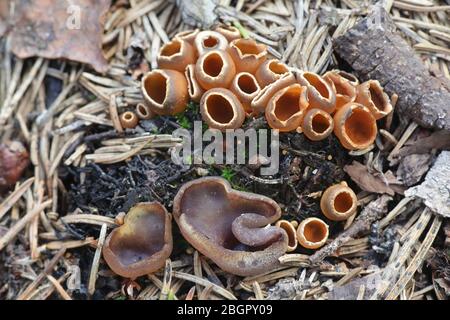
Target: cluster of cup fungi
233	78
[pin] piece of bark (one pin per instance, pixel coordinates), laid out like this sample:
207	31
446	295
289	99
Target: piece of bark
374	211
376	50
435	190
412	168
367	181
58	29
437	140
350	290
198	13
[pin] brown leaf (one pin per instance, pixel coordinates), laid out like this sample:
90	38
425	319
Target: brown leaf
58	29
366	181
413	167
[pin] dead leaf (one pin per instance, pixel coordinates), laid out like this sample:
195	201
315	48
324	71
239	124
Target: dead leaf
437	140
412	168
367	181
58	29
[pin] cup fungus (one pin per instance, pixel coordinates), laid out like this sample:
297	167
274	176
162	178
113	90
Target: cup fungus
291	233
312	233
230	227
129	120
215	69
143	112
14	159
338	202
194	89
247	54
245	87
221	109
348	76
176	55
317	124
261	100
210	40
320	93
344	90
229	32
270	71
371	95
165	91
188	35
286	108
355	126
142	244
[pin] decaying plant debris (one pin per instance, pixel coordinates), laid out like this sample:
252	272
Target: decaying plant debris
86	171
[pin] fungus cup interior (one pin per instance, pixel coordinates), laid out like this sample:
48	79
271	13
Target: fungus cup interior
213	64
247	84
128	116
210	42
358	128
277	67
317	83
219	108
343	202
210	209
171	48
286	226
315	231
248	47
143	110
288	104
156	86
320	123
376	95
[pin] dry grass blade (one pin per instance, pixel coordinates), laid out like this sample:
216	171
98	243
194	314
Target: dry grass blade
9	202
96	261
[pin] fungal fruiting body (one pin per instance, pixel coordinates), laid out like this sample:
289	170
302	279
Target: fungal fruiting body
229	32
143	111
194	89
355	126
245	87
317	124
261	100
348	76
176	55
14	159
338	202
165	91
371	95
230	227
142	244
215	69
129	120
247	54
286	108
289	228
270	71
188	36
221	109
209	40
312	233
320	93
344	90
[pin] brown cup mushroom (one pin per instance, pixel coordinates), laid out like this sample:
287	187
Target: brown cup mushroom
129	120
247	54
194	88
221	109
291	233
344	90
229	32
286	108
270	71
143	111
317	124
188	35
355	126
230	227
176	55
210	40
312	233
338	202
142	244
261	100
348	76
14	159
372	95
245	87
320	93
165	91
215	69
